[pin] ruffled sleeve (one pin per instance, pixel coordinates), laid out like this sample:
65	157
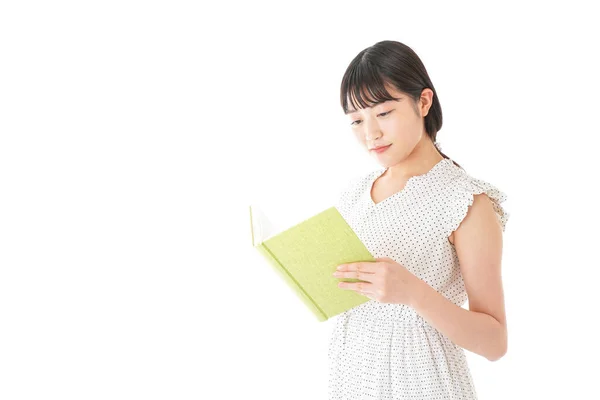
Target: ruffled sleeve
461	199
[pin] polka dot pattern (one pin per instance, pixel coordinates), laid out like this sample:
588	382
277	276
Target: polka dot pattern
388	351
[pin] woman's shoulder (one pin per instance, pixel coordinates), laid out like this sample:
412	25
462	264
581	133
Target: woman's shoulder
460	192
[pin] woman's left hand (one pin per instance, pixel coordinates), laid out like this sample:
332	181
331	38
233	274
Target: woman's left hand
386	280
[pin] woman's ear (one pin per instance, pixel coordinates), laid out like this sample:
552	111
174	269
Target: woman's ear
425	101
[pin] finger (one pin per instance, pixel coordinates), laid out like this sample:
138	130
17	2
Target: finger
363	287
368	293
371	296
361	266
363	276
376	294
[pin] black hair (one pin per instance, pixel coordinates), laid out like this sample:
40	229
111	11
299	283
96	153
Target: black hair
393	63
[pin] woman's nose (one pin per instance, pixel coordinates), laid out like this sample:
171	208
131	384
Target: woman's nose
373	134
372	131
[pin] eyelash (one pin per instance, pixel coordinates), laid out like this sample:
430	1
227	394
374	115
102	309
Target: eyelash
382	114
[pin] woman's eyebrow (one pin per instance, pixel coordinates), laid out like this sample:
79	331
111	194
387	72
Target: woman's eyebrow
374	105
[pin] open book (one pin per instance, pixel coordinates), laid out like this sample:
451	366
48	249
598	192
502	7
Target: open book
307	254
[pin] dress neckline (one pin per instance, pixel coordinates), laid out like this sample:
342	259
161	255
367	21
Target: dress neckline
409	183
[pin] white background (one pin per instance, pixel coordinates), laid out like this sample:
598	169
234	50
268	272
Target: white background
134	135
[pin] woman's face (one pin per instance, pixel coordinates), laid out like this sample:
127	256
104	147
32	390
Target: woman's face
398	123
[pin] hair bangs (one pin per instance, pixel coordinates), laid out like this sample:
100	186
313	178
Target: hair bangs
364	88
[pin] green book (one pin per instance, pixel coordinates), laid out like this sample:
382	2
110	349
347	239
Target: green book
307	254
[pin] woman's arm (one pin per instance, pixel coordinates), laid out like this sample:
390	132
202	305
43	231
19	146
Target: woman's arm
482	328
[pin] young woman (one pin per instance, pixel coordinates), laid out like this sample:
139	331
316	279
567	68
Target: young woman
436	234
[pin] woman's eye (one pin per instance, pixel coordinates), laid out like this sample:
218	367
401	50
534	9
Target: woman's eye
382	114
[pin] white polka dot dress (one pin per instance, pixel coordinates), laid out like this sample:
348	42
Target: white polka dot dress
388	351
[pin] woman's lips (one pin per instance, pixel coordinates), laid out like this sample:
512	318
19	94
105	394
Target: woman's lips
381	149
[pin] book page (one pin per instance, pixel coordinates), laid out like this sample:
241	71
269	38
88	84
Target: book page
262	227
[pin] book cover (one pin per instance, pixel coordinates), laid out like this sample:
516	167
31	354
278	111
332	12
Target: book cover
307	254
